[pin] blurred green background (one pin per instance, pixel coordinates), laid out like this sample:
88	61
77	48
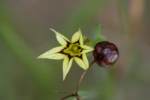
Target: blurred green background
24	35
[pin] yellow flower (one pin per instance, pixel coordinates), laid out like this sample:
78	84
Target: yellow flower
69	50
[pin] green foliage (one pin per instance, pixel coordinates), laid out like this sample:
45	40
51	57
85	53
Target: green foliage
97	37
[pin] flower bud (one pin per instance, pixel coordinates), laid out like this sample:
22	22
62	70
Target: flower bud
105	53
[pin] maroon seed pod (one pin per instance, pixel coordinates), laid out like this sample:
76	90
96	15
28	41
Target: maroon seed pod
105	53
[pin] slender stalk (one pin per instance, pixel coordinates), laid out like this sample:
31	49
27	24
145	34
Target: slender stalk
71	95
83	75
75	94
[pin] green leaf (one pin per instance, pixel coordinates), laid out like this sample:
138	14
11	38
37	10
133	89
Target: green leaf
97	35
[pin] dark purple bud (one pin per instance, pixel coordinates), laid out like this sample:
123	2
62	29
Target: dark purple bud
105	53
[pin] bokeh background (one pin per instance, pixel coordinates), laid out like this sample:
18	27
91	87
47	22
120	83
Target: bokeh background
25	34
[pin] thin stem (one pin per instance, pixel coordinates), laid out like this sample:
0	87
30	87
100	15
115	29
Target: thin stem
71	95
75	94
83	75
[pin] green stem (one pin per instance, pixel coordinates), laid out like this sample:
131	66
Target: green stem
75	94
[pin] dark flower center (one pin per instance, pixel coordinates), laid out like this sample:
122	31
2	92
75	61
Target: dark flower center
73	49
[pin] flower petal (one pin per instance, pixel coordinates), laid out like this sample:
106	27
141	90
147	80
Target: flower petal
81	63
76	36
85	60
52	51
66	66
86	49
81	38
60	38
56	56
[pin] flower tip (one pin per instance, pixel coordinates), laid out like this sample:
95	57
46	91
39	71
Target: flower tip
53	30
79	30
85	68
91	49
64	78
39	57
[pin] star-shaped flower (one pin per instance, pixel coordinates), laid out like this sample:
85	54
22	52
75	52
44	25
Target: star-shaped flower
69	50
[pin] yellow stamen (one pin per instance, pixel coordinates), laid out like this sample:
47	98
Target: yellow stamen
73	50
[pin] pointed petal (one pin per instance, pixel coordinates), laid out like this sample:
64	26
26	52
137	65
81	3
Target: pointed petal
76	36
66	66
86	49
85	60
81	63
50	52
56	56
81	38
60	38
